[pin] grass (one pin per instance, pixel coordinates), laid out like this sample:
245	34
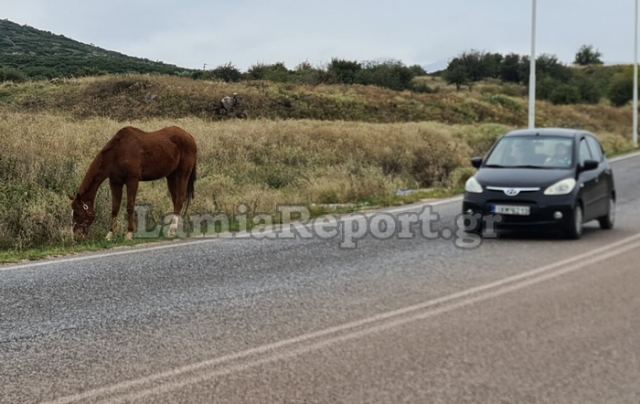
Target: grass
131	97
362	146
54	251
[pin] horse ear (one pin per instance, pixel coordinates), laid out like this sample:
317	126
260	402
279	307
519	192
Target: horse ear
70	197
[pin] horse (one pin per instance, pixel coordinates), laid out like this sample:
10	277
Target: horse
131	156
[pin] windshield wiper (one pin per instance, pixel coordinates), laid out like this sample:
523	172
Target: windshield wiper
493	166
527	166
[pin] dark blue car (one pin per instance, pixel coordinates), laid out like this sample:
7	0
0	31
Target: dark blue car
541	179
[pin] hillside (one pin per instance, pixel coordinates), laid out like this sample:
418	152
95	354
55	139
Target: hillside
41	54
132	97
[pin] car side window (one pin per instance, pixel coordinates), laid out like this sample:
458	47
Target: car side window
585	153
596	149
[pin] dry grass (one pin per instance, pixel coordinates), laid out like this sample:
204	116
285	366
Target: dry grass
260	163
138	97
48	145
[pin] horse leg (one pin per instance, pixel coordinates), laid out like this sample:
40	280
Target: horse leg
172	181
182	181
173	189
116	200
132	189
172	184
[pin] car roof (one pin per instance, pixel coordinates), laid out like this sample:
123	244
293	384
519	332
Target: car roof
549	132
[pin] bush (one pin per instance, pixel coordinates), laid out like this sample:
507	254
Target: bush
390	74
227	73
565	94
307	74
621	89
11	74
344	71
277	72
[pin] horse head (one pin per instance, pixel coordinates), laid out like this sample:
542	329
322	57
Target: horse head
82	217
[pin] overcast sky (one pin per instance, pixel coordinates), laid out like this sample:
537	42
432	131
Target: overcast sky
190	33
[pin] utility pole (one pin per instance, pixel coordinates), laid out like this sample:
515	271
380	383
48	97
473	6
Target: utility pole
532	67
635	79
204	67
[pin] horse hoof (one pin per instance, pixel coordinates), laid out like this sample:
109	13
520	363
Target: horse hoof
129	236
109	236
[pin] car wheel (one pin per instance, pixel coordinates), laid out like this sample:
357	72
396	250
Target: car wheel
608	221
574	231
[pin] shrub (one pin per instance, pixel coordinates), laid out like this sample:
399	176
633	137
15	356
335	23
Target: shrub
11	74
277	72
621	89
227	73
390	74
565	94
344	71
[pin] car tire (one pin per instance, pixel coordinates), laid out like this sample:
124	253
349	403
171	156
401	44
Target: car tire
608	221
575	225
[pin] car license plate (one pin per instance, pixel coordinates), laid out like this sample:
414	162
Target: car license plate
512	210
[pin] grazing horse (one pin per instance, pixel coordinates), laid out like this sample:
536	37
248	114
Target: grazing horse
131	156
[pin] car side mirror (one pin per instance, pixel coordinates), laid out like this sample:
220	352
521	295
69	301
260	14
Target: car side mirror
476	162
589	165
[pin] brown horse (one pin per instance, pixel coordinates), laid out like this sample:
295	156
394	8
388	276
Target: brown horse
131	156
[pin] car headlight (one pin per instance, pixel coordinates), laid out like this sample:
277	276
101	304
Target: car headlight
473	186
563	187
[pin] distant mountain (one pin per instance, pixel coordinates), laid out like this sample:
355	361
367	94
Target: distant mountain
42	54
436	66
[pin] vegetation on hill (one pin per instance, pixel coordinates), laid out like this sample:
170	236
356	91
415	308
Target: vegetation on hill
139	96
588	82
27	53
30	53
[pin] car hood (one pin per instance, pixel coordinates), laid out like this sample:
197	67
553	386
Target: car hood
521	177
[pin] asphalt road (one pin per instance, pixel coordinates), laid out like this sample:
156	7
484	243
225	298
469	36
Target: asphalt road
524	319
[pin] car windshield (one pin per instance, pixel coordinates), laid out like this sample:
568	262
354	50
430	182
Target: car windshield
532	152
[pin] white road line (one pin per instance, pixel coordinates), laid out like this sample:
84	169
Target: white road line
164	377
169	386
144	249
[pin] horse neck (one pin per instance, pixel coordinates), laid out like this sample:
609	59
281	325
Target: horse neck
94	177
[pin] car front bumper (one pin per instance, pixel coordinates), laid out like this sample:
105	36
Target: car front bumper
544	210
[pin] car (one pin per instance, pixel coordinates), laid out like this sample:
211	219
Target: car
541	179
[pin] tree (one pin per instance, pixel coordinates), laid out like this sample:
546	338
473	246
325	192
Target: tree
549	65
344	71
457	74
587	56
510	68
